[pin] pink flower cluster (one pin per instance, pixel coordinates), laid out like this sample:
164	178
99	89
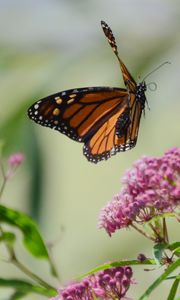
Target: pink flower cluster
108	284
151	187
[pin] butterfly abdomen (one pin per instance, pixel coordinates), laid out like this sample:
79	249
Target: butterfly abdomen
123	123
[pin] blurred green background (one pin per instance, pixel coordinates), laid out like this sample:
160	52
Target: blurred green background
48	46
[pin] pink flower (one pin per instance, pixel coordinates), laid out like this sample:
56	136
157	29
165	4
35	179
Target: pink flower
108	284
112	283
76	291
151	187
15	159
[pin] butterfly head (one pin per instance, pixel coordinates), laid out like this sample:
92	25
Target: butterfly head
142	86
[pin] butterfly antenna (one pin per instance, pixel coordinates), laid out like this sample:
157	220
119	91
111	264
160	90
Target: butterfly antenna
164	63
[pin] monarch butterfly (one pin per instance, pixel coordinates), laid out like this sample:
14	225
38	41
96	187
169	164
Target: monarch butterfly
105	119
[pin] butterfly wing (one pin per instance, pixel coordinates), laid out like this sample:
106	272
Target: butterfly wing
117	134
86	115
135	116
105	142
127	77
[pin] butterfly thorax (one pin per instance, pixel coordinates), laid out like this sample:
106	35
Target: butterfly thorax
140	94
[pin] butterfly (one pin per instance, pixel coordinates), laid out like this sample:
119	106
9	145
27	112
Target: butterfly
105	119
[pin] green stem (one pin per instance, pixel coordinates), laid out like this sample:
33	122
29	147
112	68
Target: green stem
29	273
156	233
54	271
142	232
165	232
160	279
23	268
2	188
4	179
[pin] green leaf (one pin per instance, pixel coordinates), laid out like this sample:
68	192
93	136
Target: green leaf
32	238
17	295
161	278
9	237
173	289
158	250
25	287
133	262
177	252
173	277
175	247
